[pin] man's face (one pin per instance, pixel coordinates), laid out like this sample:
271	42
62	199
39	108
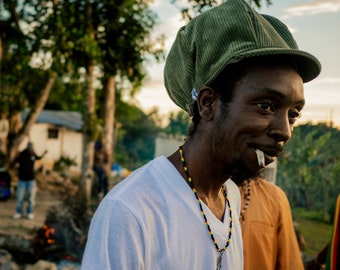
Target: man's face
267	101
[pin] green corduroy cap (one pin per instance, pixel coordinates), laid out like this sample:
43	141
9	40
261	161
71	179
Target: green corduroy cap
226	34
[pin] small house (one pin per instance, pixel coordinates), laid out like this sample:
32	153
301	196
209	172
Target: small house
58	132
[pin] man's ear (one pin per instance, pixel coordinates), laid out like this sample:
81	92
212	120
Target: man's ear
206	102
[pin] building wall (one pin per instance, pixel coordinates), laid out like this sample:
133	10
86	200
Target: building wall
72	146
68	144
166	145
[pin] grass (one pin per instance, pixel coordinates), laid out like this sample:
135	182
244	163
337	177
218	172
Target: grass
316	231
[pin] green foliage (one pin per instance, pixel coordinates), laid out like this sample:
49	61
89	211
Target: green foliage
73	38
66	36
178	123
309	168
21	78
195	7
64	162
136	137
125	40
315	231
71	93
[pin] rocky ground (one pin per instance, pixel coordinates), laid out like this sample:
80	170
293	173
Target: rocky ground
19	234
18	238
24	226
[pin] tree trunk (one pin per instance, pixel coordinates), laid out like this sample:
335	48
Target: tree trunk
89	118
89	129
31	118
17	130
4	126
109	118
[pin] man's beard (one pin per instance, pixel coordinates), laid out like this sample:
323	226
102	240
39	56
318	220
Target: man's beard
240	172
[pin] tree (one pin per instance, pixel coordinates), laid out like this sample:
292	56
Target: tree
125	43
178	123
136	137
112	37
90	45
309	168
23	81
196	7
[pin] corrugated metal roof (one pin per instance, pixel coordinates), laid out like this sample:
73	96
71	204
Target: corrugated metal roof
69	119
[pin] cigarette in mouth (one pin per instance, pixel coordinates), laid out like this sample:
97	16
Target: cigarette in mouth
260	158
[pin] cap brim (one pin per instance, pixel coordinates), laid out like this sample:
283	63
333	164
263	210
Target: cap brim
307	65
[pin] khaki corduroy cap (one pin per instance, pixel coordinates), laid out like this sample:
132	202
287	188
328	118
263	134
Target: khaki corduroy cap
223	35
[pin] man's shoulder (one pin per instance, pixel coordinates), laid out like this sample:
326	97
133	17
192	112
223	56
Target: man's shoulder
272	188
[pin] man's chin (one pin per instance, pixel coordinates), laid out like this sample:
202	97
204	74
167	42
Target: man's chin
241	173
239	179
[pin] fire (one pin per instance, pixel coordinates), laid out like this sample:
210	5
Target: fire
49	234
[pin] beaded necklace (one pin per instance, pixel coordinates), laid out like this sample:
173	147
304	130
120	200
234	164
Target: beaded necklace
191	184
246	197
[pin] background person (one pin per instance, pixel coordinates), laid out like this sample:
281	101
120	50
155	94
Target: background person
240	76
27	183
101	171
268	233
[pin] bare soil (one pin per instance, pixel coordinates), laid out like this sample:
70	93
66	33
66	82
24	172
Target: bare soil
23	226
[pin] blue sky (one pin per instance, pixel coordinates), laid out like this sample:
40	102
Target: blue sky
316	27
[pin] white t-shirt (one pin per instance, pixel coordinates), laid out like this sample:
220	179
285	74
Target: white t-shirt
151	220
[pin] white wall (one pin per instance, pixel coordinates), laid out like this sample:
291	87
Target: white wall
166	145
72	146
68	144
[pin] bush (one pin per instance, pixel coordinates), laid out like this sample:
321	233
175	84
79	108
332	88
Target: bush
64	163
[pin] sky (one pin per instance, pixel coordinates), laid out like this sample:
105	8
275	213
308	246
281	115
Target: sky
315	25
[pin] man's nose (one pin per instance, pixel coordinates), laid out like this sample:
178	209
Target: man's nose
281	129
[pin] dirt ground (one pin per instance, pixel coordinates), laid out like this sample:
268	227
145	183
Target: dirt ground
48	188
24	226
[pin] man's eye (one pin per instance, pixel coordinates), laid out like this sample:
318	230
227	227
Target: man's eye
294	115
265	106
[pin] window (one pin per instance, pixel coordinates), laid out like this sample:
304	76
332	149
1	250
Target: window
53	133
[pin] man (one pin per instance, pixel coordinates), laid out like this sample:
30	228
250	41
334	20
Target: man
100	169
27	184
240	76
269	240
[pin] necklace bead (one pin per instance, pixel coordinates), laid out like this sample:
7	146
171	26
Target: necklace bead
224	190
246	196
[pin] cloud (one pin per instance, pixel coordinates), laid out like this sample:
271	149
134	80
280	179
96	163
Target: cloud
312	8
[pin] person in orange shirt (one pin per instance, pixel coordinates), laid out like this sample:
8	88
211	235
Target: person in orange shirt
269	240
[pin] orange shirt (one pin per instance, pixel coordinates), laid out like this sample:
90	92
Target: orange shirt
269	240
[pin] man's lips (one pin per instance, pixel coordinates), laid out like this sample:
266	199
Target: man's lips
269	150
272	152
266	155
